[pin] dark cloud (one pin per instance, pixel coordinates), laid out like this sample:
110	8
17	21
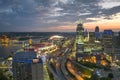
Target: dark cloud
19	15
111	11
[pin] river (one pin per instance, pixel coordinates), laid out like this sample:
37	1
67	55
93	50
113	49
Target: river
7	50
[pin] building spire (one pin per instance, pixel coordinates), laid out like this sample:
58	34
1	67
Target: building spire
79	21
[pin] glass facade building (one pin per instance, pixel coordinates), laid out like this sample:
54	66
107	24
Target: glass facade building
26	66
79	41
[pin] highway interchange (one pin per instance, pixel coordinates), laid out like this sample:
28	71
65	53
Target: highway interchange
57	62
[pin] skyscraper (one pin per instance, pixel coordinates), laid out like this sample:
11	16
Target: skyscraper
97	34
86	36
107	37
97	29
108	42
79	41
27	67
86	33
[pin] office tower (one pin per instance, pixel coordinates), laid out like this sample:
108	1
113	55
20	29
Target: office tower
97	33
86	36
97	29
26	66
86	33
79	41
119	38
107	37
116	44
108	42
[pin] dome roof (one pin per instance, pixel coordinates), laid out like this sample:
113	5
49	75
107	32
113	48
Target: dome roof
56	37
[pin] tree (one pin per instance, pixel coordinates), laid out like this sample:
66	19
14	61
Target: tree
110	76
2	76
95	77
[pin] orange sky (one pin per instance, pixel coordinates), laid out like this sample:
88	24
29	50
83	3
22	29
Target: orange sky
112	23
88	26
104	24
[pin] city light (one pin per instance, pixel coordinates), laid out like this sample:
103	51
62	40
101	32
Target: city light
60	40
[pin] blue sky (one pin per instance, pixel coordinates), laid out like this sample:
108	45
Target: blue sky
57	15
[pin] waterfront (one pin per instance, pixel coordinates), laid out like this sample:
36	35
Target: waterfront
60	56
8	50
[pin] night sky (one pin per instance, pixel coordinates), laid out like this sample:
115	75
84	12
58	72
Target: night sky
58	15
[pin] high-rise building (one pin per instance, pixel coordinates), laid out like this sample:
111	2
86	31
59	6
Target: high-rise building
107	37
119	38
108	41
97	33
97	29
26	66
116	46
79	41
86	33
86	36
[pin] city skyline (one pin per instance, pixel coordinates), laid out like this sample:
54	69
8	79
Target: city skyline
58	15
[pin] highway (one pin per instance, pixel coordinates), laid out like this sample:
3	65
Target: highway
90	69
63	68
63	64
51	68
59	59
58	70
72	70
56	62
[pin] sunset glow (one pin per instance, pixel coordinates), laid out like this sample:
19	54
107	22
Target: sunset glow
58	15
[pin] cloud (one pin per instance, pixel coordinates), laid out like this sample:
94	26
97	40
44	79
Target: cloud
83	14
109	5
109	22
32	15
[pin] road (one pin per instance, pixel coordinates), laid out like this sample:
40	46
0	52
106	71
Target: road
64	70
58	70
56	62
72	70
51	68
59	62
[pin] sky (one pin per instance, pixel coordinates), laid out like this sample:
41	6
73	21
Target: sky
58	15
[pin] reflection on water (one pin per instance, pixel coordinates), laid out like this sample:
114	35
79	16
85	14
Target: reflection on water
8	49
